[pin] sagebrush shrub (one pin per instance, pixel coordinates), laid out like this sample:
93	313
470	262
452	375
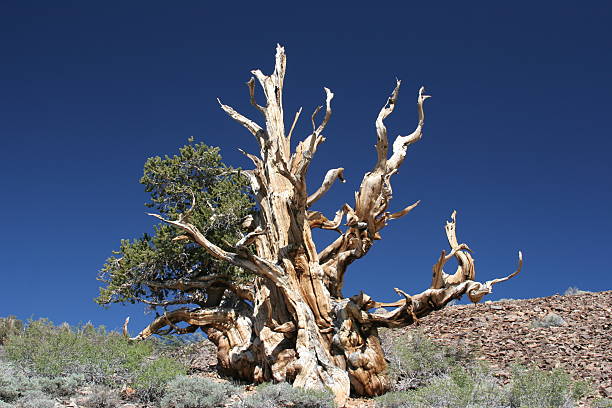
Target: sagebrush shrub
602	403
13	382
284	395
550	320
435	376
150	381
35	399
16	383
100	356
196	392
461	388
62	386
572	290
102	397
414	360
531	387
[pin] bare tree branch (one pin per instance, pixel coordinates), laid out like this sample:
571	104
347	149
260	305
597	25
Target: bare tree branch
295	119
328	181
248	124
317	220
214	317
401	143
251	85
382	144
253	264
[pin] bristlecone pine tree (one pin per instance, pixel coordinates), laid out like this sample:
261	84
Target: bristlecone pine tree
266	296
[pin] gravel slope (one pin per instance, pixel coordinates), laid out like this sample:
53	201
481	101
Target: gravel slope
503	334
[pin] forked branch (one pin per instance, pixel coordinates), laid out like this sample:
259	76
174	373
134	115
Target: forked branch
251	263
256	130
382	143
444	288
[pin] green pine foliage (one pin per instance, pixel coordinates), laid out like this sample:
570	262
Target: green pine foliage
222	200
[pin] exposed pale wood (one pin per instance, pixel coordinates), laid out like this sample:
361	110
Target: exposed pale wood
331	176
299	327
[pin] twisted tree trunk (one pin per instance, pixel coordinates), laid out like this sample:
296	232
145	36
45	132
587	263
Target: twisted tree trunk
294	324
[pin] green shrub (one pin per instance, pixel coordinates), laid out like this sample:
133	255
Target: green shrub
13	382
35	399
196	392
395	399
64	386
550	320
462	388
5	405
284	395
435	376
531	387
602	403
414	360
150	381
16	383
9	326
102	397
101	357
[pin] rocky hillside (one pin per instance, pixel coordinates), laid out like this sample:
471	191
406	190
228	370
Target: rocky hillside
578	339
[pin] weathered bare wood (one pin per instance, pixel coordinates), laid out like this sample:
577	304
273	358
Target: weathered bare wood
331	176
300	327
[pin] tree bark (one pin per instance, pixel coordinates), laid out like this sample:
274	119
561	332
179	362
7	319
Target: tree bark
294	324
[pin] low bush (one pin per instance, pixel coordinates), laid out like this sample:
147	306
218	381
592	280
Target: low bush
550	320
102	397
602	403
35	399
476	388
16	383
531	387
100	357
461	388
572	290
13	382
284	395
196	392
150	381
63	386
430	375
414	360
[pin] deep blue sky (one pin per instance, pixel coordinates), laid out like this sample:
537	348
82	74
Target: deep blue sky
518	132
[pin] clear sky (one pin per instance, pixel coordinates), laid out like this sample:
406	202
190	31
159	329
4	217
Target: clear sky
517	138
